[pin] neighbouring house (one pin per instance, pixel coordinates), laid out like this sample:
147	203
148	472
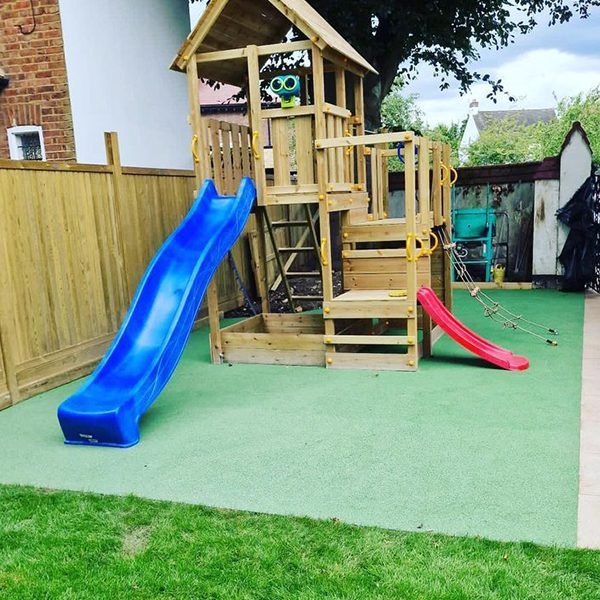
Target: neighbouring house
72	69
479	120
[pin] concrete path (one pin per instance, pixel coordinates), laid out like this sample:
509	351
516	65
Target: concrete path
588	521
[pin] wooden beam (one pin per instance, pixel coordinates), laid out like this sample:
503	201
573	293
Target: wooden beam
296	111
338	111
241	53
203	171
113	158
258	160
364	140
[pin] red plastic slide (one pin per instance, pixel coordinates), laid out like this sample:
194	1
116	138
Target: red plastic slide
465	337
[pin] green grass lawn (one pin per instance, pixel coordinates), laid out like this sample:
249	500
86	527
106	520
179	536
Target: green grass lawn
67	545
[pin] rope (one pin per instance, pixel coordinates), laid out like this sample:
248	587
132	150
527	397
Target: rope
492	309
238	278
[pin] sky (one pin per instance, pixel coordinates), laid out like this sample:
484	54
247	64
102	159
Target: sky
548	63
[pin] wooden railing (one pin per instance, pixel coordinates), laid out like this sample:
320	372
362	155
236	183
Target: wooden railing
76	240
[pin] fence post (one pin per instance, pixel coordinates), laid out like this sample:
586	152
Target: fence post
113	159
9	364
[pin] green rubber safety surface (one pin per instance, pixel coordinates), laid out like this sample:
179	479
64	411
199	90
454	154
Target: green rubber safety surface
458	447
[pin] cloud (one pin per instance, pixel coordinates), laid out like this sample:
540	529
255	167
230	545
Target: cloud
535	78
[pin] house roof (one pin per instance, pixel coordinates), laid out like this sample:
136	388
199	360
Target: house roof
484	118
230	24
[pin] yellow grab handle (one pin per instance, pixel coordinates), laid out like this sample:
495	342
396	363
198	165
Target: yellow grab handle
347	133
422	250
446	174
195	148
454	178
254	146
409	256
436	239
323	256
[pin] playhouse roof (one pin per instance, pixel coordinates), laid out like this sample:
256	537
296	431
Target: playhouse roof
230	24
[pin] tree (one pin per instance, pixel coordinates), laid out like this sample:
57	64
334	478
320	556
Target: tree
584	108
397	36
504	142
449	134
401	112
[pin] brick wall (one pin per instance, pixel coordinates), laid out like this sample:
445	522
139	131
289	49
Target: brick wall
38	92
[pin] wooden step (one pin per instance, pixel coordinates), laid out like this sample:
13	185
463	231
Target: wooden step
385	230
366	304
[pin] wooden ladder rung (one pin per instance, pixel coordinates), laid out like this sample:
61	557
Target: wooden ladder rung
303	274
307	297
299	249
290	224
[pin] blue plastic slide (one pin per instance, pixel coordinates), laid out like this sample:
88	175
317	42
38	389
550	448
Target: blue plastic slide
107	408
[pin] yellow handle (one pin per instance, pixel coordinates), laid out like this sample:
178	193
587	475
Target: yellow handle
422	250
254	146
347	133
323	256
409	256
446	174
436	239
454	178
397	293
195	148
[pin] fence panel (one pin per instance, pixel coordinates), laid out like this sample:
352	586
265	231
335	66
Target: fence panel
75	241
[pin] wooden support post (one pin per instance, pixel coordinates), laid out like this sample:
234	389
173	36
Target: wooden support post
447	215
113	159
202	171
254	104
375	181
359	119
436	185
412	322
8	336
322	174
425	212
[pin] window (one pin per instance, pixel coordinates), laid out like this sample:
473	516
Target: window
26	143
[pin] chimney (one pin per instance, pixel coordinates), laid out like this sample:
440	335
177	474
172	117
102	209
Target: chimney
473	107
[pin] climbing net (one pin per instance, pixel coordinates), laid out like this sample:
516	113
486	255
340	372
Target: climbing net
492	309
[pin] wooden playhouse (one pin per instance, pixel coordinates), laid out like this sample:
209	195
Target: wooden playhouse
329	184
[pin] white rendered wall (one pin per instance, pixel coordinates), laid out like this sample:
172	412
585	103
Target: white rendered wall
549	234
545	240
575	168
118	54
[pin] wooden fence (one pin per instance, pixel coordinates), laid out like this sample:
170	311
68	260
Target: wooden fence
75	241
